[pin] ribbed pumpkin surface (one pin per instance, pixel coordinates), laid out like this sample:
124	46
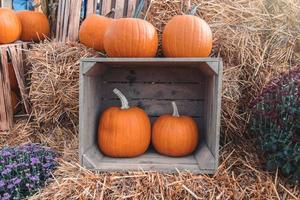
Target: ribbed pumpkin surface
92	31
10	26
187	36
35	26
130	37
175	136
124	133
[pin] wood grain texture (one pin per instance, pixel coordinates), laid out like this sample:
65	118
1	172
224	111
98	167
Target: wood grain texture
15	53
106	7
119	8
151	84
131	8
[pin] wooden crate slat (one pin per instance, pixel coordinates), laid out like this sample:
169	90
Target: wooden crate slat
15	53
16	58
131	8
145	74
119	9
6	3
74	20
159	107
6	108
155	90
91	7
106	7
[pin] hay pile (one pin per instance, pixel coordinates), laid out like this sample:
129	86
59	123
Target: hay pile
240	175
256	39
54	89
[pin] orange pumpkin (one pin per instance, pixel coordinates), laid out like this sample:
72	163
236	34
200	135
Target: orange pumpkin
14	101
187	36
10	26
12	77
175	135
131	37
124	132
35	25
92	31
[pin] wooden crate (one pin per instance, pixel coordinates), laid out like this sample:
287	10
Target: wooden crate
152	83
11	53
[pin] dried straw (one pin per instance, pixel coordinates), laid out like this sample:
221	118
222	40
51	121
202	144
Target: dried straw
240	176
55	82
256	40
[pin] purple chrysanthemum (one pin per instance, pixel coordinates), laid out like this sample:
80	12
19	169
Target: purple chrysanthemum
24	169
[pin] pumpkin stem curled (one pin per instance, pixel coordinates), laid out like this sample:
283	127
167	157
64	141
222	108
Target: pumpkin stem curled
175	109
122	98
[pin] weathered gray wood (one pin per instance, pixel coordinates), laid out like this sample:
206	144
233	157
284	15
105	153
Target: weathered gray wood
157	108
196	89
106	7
155	91
131	8
6	3
146	74
119	8
91	7
88	119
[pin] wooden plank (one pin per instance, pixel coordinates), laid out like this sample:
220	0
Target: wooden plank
66	15
160	107
6	3
16	58
59	20
106	7
119	8
91	7
73	30
6	107
154	91
131	8
153	74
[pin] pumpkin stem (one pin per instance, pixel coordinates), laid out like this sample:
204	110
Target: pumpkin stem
175	109
122	98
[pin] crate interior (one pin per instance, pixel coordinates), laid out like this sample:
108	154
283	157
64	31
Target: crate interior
151	87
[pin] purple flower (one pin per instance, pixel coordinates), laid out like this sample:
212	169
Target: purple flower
5	196
34	161
5	153
17	181
2	183
6	171
9	186
29	185
34	178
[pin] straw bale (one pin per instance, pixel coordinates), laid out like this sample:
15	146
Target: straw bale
54	86
256	40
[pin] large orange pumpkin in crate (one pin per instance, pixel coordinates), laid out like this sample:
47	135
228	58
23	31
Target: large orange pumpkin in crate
10	26
92	31
175	135
125	131
35	25
131	37
187	36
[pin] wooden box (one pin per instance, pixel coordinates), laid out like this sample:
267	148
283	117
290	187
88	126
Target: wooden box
151	84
